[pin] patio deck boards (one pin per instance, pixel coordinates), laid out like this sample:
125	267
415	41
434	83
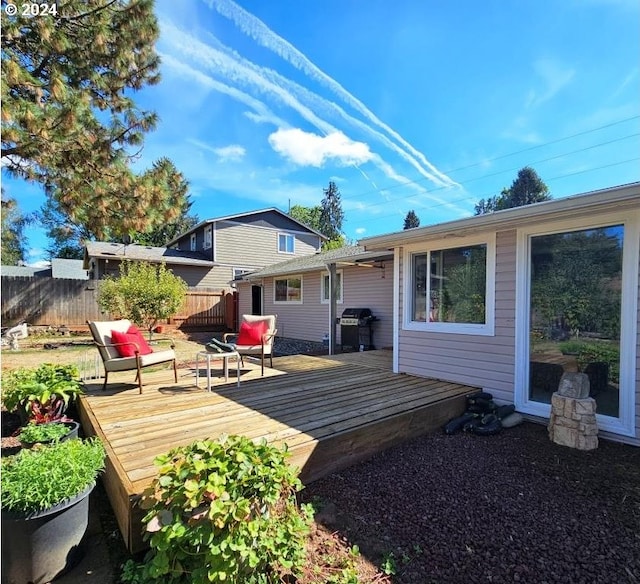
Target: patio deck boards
330	411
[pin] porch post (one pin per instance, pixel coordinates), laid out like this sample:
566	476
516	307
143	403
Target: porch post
333	293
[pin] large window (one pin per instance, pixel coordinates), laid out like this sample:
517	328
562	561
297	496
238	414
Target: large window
451	289
285	243
288	289
574	312
325	294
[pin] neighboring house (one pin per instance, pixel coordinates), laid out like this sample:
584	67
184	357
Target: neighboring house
298	292
216	251
102	259
60	268
237	244
508	301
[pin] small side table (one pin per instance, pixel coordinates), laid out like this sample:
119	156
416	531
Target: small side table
225	363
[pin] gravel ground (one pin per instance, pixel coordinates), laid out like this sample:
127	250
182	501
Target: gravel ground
513	507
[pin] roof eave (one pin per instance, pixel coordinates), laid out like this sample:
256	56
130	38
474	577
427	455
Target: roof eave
618	198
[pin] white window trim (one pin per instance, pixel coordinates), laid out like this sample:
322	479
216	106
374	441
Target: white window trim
625	424
193	242
293	240
324	275
208	237
289	277
486	329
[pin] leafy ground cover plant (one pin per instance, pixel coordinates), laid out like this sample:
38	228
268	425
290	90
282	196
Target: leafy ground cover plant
38	479
33	433
223	511
43	393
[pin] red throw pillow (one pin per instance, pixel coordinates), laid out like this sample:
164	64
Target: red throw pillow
133	335
251	333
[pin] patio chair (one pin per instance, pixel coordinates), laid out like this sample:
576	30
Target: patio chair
129	351
255	337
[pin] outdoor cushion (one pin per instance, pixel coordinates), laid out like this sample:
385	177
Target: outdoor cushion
251	333
134	339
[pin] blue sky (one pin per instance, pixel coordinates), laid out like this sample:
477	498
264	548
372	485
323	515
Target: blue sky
406	104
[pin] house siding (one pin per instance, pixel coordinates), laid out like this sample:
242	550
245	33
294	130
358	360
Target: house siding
487	362
363	287
244	246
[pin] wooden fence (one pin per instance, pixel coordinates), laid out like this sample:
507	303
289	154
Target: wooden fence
46	301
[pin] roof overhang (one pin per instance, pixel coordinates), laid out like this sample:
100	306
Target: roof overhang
618	198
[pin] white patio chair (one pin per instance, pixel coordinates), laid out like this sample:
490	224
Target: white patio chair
111	359
263	345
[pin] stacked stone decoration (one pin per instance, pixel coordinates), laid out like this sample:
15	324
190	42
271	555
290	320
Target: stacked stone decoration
573	414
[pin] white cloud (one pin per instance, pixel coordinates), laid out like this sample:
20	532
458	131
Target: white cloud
309	149
554	77
231	153
361	230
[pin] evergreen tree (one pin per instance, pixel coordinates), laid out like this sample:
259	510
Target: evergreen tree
69	121
310	216
411	220
527	188
331	214
14	243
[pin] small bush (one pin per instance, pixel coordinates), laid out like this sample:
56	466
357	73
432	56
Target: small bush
222	511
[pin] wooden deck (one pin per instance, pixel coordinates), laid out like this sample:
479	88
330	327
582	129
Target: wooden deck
330	411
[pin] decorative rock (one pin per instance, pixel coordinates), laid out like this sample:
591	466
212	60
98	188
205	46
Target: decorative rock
573	421
574	385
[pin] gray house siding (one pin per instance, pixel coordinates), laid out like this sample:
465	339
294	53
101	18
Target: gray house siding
240	245
363	287
486	362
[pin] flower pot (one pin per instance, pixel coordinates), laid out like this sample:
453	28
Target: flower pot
72	433
41	546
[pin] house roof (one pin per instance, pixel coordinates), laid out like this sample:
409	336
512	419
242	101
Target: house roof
120	251
239	216
25	271
615	198
348	255
68	269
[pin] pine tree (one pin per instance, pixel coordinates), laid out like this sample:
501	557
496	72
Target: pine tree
69	121
331	214
526	189
13	239
411	220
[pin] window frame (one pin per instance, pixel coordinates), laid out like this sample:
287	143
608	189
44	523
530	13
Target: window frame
324	275
193	242
287	278
480	329
208	237
287	236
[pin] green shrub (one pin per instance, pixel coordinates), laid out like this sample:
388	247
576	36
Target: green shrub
599	351
222	511
38	479
43	392
32	433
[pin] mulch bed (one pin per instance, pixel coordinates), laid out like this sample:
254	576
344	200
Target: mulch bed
514	507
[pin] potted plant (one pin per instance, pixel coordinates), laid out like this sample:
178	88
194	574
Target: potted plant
48	432
41	394
45	507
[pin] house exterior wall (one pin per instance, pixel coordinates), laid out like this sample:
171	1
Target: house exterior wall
252	247
363	287
486	362
192	275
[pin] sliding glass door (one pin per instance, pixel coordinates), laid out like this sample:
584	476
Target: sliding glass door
575	312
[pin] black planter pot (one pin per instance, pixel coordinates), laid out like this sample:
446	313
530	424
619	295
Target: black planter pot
41	546
72	434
